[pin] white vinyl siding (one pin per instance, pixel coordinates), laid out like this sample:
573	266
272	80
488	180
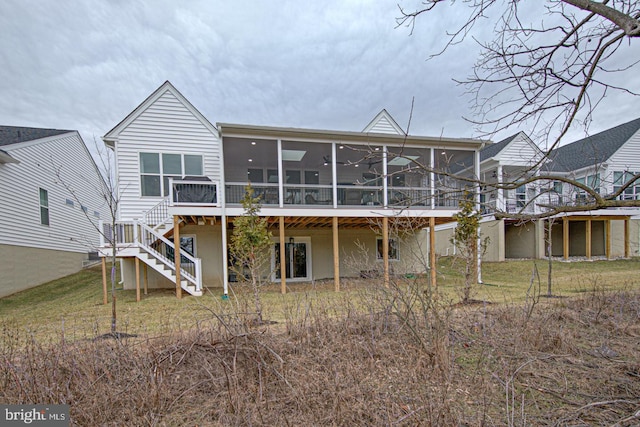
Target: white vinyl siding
519	152
384	126
166	126
22	213
626	159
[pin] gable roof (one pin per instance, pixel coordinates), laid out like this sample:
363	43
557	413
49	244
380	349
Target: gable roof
492	150
383	123
166	86
592	150
15	134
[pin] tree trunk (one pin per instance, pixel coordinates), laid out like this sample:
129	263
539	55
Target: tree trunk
113	296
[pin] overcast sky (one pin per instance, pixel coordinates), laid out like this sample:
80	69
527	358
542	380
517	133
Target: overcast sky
85	65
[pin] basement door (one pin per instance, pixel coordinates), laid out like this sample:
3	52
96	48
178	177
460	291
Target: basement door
297	259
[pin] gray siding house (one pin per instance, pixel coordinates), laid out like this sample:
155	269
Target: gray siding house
45	233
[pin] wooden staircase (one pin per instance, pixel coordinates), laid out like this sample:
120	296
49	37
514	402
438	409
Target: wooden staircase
150	242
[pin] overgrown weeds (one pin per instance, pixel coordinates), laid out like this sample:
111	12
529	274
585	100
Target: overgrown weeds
401	355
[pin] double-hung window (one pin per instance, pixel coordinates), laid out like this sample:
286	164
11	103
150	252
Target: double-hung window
593	181
157	168
44	207
521	196
632	192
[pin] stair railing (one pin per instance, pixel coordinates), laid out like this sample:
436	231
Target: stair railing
163	250
158	215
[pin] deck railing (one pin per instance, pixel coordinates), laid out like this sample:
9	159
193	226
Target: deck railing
158	214
268	193
194	191
347	195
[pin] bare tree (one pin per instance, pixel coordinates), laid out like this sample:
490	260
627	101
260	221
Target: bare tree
546	67
107	192
548	73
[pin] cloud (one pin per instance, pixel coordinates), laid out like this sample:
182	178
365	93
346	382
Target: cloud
332	65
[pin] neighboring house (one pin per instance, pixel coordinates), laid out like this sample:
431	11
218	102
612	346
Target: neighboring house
603	161
45	233
337	203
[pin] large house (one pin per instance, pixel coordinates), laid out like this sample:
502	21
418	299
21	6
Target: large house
50	190
604	162
338	203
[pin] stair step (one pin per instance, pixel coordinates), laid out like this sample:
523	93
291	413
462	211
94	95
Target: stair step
165	270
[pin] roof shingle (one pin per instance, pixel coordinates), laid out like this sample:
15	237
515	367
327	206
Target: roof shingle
592	150
15	134
493	149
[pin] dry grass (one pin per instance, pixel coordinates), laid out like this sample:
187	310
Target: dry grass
374	356
73	305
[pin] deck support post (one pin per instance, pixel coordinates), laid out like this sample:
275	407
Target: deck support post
146	279
336	255
588	238
608	238
137	279
432	250
176	253
283	266
565	238
385	249
104	280
626	238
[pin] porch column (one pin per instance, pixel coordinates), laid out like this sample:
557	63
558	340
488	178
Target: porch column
280	176
334	175
432	178
137	279
626	238
607	224
385	184
479	258
336	255
565	238
104	280
176	253
283	266
476	168
432	250
588	238
500	205
385	249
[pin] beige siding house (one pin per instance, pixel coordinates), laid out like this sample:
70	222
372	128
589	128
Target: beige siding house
338	203
46	232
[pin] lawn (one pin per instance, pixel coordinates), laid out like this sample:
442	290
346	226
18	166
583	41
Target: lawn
73	305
